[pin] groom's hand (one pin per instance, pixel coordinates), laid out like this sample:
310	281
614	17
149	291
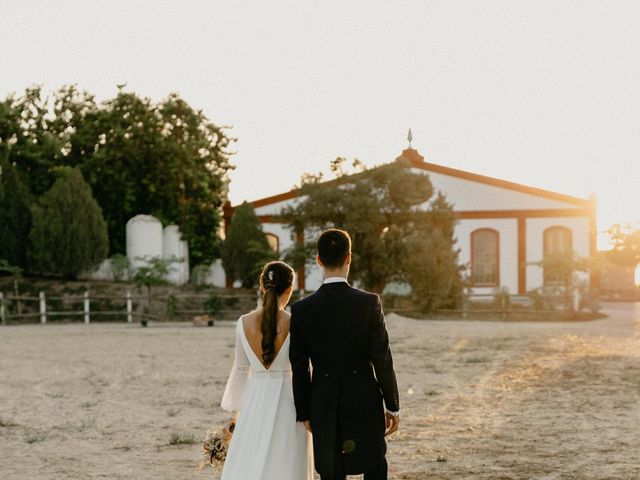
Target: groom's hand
393	421
307	425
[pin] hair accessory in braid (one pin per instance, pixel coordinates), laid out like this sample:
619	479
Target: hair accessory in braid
270	283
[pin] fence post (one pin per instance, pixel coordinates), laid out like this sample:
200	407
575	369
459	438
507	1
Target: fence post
2	312
129	306
43	307
87	318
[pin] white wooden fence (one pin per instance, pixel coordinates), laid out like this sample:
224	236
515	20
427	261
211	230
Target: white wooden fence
44	311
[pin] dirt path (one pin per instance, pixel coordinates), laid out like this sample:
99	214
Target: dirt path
523	401
492	400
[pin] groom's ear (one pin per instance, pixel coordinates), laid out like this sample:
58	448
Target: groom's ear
348	259
319	262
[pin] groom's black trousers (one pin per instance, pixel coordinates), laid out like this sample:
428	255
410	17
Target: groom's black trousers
378	473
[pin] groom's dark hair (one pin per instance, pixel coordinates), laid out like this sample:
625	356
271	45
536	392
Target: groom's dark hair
333	247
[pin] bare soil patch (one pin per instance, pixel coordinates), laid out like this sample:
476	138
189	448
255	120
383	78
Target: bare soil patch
480	400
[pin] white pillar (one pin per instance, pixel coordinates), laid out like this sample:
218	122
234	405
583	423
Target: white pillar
129	306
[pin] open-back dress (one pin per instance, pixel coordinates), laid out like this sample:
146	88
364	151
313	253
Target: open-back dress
267	442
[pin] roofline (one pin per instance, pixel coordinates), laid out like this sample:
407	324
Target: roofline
294	192
415	160
281	197
497	182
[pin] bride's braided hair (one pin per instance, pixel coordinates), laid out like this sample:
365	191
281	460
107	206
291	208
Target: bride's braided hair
275	278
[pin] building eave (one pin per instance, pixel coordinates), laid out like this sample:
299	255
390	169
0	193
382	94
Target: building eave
416	160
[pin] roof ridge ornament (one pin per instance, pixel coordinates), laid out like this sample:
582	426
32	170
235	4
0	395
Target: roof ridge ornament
410	138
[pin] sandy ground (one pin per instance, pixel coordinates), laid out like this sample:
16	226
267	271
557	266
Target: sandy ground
492	400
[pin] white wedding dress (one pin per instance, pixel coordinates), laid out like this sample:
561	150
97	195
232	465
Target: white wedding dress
267	443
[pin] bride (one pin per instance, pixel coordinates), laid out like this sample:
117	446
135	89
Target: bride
268	443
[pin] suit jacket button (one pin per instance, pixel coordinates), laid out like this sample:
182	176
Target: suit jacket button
355	371
326	374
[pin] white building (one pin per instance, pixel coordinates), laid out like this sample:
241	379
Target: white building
503	228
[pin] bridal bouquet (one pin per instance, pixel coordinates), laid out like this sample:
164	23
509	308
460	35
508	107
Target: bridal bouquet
216	445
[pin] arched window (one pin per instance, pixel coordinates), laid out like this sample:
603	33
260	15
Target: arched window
485	258
274	241
556	241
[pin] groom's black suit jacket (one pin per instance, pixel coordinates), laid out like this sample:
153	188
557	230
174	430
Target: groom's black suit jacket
342	331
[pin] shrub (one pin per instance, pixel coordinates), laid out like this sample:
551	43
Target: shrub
120	266
245	250
68	235
213	304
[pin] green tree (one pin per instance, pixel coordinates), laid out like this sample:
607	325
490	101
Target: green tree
431	261
27	141
15	216
153	273
197	172
161	158
397	232
625	240
68	235
245	249
165	159
560	268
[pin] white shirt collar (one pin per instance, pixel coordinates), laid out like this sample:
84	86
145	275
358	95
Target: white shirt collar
335	280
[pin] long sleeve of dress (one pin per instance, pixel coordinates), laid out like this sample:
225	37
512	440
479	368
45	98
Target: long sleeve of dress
238	378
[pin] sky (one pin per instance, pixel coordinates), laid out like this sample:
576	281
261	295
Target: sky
544	93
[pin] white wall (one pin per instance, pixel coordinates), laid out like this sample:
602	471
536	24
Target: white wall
535	243
468	195
508	230
275	208
214	275
464	194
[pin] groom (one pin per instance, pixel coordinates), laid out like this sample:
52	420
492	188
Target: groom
341	330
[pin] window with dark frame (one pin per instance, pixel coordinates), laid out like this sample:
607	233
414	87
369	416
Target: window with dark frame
485	258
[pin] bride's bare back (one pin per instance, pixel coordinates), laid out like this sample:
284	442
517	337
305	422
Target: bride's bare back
253	334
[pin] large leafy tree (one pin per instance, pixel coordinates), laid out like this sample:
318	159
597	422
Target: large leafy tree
245	249
431	262
625	240
69	235
27	141
197	173
398	232
15	216
165	159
